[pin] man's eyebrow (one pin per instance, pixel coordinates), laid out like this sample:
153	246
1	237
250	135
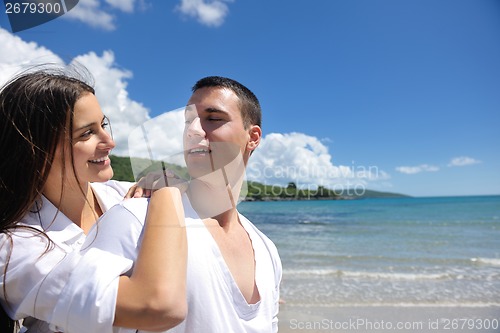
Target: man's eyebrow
215	110
209	110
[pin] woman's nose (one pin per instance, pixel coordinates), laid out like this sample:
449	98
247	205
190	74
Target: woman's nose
195	128
107	139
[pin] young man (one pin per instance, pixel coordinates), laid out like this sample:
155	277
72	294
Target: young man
233	270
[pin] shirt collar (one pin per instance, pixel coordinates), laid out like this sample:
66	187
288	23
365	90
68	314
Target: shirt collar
58	227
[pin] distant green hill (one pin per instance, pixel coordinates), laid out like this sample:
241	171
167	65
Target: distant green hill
256	191
123	169
365	194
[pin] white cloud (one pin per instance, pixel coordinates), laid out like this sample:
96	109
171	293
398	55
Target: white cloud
92	13
100	14
411	170
157	139
463	161
210	13
17	55
123	5
304	160
111	90
110	83
281	158
455	162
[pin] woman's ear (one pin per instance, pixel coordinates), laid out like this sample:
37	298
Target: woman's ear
255	134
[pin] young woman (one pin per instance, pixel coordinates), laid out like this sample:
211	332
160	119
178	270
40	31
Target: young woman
54	186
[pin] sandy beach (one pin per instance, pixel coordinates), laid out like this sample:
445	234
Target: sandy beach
316	319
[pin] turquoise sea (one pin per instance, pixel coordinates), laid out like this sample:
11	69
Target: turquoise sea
442	251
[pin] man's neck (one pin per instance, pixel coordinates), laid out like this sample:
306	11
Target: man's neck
210	201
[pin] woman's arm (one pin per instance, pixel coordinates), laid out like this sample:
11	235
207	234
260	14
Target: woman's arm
130	271
154	296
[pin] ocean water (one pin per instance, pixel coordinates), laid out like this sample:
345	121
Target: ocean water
394	251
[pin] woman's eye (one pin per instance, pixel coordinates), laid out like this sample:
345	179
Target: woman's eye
105	125
87	133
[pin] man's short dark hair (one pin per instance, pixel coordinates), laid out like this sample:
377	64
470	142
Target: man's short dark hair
249	104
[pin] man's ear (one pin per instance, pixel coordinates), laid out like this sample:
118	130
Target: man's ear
255	134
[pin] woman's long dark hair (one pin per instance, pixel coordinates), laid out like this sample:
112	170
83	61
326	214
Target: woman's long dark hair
36	113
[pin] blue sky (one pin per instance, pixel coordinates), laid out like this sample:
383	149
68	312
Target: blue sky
398	96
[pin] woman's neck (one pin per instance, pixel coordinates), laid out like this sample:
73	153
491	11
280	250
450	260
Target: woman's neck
78	204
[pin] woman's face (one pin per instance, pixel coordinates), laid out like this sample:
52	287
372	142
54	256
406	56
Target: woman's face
92	143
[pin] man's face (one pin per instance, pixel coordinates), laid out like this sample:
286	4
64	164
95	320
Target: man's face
214	134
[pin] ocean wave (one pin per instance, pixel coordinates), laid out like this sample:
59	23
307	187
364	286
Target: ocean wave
308	222
317	272
486	261
397	304
369	275
398	276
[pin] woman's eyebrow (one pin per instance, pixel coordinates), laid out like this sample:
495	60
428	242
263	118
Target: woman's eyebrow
90	124
85	126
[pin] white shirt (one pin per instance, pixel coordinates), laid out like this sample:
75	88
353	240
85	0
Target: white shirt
43	281
215	303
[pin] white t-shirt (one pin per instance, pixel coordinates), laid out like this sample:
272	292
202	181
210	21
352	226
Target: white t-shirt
43	281
215	303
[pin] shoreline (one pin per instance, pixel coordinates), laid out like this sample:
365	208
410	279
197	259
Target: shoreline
389	318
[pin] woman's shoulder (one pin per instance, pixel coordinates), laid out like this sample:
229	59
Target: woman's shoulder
117	186
110	193
127	210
